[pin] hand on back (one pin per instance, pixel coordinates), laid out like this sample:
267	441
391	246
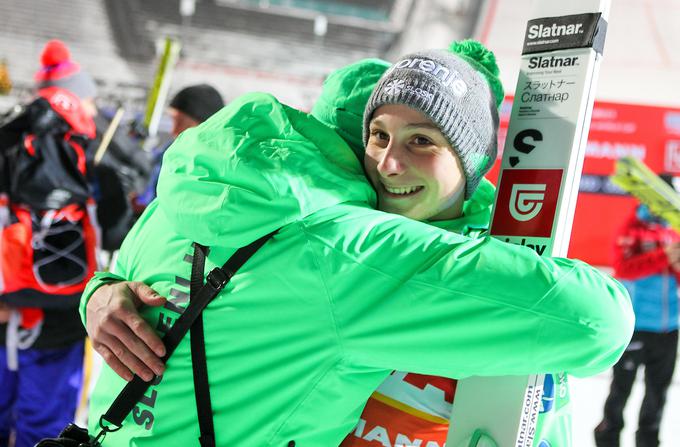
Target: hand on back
120	335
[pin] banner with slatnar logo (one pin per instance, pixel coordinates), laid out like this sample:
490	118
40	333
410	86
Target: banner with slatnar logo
536	195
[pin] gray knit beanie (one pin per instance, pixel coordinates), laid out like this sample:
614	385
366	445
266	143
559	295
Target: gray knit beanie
460	93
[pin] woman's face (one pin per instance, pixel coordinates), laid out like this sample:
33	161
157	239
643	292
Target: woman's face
412	166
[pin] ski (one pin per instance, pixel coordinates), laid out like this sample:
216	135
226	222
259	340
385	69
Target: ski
159	92
634	177
536	194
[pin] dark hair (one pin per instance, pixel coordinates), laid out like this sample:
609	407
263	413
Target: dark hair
200	101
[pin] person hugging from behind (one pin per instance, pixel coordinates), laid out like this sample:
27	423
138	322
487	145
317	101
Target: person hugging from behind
188	108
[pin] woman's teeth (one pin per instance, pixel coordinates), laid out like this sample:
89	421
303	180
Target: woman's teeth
402	191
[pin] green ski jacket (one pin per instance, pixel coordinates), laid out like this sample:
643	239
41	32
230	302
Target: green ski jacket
341	296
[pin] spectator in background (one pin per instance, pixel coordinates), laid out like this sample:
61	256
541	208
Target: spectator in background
41	337
59	70
189	107
124	165
647	261
122	172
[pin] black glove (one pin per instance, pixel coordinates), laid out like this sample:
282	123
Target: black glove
71	436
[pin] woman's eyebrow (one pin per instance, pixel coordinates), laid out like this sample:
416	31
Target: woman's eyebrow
376	121
426	125
422	125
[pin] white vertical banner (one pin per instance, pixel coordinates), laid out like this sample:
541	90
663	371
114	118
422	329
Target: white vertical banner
537	190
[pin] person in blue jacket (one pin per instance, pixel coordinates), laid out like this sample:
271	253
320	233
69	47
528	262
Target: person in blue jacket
647	261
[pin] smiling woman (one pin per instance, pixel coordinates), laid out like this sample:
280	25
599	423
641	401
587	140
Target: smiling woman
430	139
412	166
430	136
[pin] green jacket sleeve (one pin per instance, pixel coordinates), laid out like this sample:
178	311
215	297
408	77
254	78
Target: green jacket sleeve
437	303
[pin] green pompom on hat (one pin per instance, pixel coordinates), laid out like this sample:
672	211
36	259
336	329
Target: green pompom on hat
484	61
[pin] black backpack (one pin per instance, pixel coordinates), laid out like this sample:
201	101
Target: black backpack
48	231
44	158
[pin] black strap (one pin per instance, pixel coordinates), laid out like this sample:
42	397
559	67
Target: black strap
112	420
198	357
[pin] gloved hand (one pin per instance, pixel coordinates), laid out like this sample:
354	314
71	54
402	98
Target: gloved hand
71	436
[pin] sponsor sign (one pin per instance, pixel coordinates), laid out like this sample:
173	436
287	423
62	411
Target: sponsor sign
565	32
531	407
527	200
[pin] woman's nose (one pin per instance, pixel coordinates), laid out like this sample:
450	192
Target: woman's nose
391	163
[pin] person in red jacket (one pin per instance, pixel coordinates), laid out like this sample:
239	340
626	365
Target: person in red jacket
647	262
41	336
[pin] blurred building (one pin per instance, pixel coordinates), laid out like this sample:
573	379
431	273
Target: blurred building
285	47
